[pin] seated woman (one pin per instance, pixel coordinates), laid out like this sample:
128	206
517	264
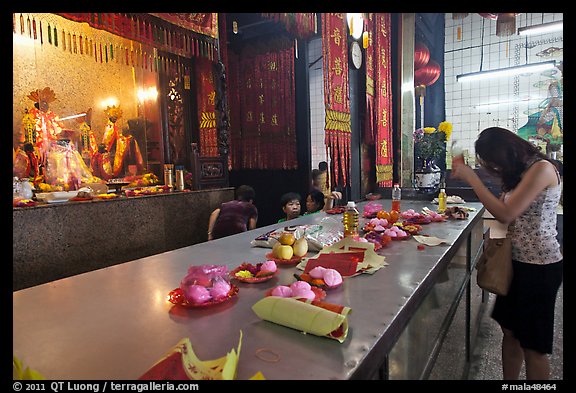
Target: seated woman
316	201
290	203
235	216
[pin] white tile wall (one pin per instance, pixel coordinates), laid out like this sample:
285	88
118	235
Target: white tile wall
473	106
317	113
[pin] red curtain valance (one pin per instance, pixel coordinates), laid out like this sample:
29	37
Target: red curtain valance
299	24
202	23
151	30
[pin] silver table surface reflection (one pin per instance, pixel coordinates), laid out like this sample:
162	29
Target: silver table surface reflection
115	323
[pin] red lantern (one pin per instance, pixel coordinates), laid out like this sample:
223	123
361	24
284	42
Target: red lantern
428	74
421	55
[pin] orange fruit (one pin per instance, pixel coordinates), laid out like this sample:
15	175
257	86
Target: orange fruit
383	214
287	238
394	215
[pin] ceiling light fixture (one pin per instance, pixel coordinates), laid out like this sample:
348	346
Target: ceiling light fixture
544	28
508	71
355	24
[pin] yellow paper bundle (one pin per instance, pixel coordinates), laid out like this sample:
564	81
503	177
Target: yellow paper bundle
304	316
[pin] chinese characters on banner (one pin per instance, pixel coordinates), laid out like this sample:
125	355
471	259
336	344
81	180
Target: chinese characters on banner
378	125
263	130
336	98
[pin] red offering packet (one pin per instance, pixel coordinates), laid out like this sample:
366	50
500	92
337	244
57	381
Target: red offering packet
346	263
170	368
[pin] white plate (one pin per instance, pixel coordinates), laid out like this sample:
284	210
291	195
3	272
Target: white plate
56	200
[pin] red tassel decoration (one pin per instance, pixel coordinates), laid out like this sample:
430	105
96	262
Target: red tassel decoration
34	27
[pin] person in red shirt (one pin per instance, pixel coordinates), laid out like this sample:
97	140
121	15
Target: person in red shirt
239	215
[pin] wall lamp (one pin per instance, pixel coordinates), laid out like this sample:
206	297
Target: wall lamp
509	71
542	29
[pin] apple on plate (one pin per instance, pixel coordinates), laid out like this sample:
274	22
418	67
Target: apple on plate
283	251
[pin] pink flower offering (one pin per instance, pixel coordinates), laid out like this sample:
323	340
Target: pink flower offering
304	293
282	291
317	272
332	277
197	294
220	289
269	266
300	285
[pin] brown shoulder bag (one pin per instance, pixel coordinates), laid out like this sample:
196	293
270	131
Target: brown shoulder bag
495	266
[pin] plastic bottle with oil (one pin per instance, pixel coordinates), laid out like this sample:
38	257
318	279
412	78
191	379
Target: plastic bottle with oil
396	197
442	201
350	220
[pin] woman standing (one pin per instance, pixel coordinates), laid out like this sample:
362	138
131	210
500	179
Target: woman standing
531	192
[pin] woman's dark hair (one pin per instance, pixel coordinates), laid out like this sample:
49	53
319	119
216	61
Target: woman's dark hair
316	174
318	197
245	193
289	196
323	166
505	154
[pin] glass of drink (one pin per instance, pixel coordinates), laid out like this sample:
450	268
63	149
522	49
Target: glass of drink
457	154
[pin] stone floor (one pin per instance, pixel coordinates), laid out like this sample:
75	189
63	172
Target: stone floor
486	358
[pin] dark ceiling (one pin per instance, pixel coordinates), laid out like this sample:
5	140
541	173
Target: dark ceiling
251	25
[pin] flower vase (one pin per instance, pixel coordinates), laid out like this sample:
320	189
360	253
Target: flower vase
427	177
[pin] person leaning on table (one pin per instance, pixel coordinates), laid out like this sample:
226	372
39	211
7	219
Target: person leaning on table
531	188
235	216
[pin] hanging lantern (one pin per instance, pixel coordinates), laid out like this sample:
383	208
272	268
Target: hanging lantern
426	76
421	55
489	16
506	24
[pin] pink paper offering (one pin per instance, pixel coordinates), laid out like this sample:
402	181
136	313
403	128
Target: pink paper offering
219	289
197	294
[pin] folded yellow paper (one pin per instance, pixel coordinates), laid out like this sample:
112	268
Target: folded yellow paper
181	363
430	240
304	316
19	372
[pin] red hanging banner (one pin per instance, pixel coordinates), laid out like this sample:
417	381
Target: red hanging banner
205	97
336	97
383	99
263	130
378	124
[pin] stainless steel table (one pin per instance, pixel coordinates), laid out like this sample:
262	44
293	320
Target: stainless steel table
114	323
